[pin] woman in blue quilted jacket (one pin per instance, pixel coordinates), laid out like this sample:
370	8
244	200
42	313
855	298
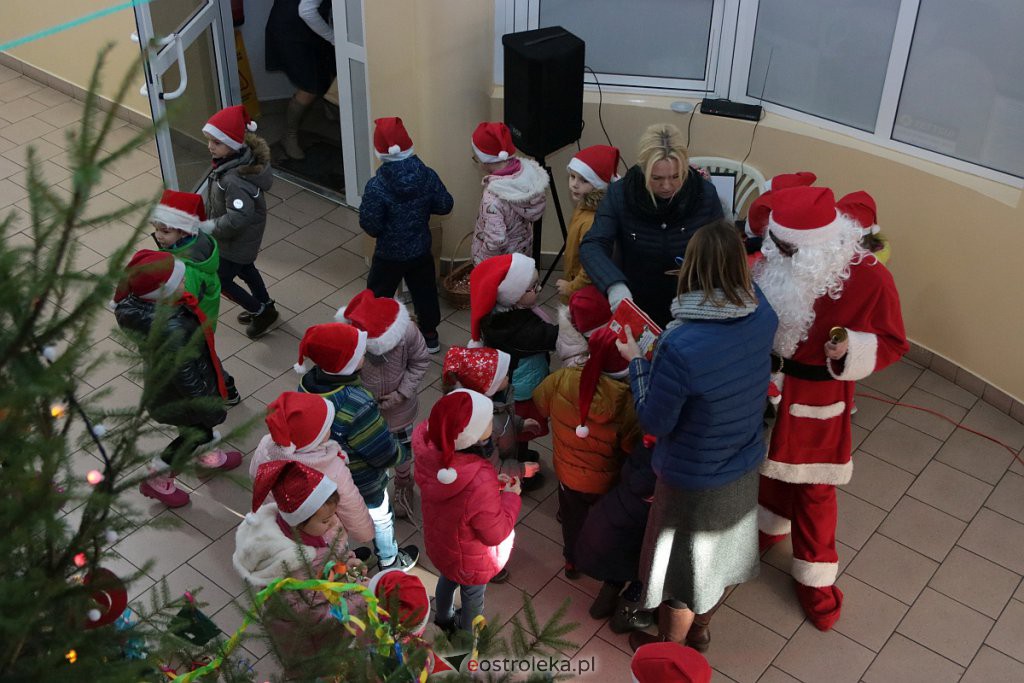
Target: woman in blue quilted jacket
702	396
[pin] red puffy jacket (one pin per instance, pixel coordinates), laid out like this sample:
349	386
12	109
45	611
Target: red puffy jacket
469	524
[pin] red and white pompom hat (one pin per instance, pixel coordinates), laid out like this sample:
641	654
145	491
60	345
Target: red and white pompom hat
860	206
589	310
382	318
456	422
335	348
497	281
492	142
480	369
230	125
669	663
596	164
604	358
393	587
150	275
760	208
299	422
180	210
805	216
298	489
391	142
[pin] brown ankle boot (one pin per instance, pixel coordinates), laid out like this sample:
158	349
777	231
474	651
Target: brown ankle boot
699	635
673	625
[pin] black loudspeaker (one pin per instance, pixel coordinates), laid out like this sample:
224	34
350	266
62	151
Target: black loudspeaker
543	89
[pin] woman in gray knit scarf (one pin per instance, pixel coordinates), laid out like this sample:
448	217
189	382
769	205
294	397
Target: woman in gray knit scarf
702	396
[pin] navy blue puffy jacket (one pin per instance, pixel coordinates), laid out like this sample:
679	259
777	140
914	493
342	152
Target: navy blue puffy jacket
703	396
396	208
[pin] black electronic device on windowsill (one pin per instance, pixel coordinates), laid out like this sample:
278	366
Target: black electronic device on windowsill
730	109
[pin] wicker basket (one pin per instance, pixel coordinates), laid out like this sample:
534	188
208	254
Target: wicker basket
455	284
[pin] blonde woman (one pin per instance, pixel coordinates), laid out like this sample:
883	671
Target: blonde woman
648	218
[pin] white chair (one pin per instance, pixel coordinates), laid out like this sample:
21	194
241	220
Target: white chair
749	180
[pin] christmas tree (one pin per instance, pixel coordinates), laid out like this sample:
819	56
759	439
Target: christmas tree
63	614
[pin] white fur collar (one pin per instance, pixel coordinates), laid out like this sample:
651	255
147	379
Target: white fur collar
531	181
262	552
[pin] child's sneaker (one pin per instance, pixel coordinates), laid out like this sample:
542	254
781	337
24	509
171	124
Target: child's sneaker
234	398
245	317
262	321
220	460
164	489
449	626
405	560
433	343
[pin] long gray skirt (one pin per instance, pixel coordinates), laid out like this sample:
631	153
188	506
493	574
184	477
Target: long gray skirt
698	543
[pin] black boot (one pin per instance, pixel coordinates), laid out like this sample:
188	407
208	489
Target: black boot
604	604
262	321
527	454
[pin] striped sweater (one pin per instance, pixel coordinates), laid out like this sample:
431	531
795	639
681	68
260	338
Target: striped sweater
360	429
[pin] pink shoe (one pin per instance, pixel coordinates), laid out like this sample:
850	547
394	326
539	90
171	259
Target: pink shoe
165	490
220	460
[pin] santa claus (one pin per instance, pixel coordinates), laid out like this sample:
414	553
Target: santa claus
839	321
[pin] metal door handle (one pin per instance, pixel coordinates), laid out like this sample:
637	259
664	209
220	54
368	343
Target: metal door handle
182	74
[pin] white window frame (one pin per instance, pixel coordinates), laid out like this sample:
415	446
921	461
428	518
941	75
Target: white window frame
729	52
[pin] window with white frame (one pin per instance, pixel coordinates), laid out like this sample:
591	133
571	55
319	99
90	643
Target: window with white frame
938	79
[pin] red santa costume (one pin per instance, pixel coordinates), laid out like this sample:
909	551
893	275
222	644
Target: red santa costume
817	277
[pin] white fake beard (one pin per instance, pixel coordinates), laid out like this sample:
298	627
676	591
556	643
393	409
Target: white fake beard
793	283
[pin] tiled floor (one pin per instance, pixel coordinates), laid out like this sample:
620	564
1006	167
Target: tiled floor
931	531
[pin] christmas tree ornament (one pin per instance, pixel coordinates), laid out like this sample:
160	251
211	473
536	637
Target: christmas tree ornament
50	352
80	560
71	656
94	477
94	614
110	535
99	431
58	410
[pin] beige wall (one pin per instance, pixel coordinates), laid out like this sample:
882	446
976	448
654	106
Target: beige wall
957	239
71	55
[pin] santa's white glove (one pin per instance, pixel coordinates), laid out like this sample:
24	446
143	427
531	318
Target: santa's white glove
207	226
616	293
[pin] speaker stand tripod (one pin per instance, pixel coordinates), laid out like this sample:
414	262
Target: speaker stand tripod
537	225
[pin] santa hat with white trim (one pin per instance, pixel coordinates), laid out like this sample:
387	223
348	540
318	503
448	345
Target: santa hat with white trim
760	208
480	369
299	422
805	216
180	210
335	348
596	164
589	310
604	358
860	206
497	281
383	319
150	275
391	142
456	422
230	125
492	142
298	489
669	662
396	588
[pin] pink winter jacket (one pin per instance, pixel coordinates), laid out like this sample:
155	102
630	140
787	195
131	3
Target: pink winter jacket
469	525
332	461
396	363
264	553
510	205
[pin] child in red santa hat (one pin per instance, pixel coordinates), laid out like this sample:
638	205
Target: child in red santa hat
588	310
860	206
397	359
395	209
591	170
299	427
469	513
594	427
504	315
236	203
182	399
339	351
669	663
514	195
295	535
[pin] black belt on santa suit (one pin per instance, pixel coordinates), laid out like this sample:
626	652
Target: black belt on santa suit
813	373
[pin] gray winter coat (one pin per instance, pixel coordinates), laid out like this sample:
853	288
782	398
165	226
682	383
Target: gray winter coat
235	199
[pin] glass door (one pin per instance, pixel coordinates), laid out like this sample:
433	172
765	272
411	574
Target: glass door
354	100
191	72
